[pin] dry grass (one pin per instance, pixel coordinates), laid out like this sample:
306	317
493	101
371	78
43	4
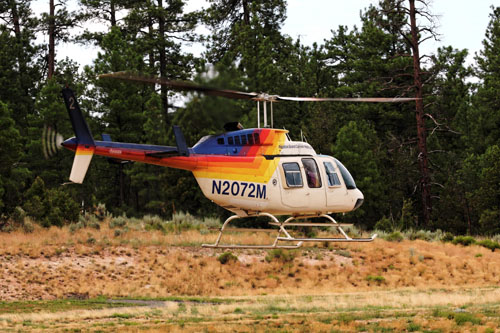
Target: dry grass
54	263
398	286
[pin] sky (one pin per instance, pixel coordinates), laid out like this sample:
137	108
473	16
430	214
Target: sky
461	23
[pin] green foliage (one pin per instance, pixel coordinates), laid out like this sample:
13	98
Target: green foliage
375	278
464	240
227	257
118	222
425	235
10	154
385	224
50	206
283	256
462	318
489	244
356	147
154	223
447	237
18	215
395	236
248	51
343	253
28	226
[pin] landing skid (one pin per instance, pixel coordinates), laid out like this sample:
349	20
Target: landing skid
287	237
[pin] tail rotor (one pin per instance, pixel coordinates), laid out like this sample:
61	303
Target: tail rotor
51	141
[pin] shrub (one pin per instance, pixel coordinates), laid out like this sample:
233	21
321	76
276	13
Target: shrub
343	253
212	222
384	224
18	215
447	237
89	220
28	226
352	231
462	318
186	219
281	255
154	222
464	240
73	227
118	222
394	237
50	206
227	257
489	244
101	212
375	278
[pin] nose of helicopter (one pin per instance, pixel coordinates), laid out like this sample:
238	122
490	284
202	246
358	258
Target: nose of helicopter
358	196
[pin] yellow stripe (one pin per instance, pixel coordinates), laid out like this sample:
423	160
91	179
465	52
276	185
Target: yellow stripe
256	170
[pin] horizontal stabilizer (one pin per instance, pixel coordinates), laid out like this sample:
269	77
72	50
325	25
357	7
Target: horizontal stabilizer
81	163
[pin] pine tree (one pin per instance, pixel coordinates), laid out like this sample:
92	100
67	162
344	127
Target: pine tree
357	147
12	175
488	93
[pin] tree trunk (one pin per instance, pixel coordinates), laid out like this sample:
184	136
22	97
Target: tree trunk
112	13
163	62
52	52
246	13
423	161
151	37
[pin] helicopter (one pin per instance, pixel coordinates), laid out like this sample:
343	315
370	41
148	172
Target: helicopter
250	172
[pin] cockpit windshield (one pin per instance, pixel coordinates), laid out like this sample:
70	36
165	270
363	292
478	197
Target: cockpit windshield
348	180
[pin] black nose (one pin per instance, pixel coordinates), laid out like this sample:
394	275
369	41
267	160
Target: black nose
358	204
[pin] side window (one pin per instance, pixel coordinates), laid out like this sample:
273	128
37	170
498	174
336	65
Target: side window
333	178
230	140
237	140
292	174
312	173
243	140
220	141
256	138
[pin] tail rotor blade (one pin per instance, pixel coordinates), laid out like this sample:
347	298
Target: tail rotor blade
51	142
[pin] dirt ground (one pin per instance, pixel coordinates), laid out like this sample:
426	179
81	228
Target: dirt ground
91	269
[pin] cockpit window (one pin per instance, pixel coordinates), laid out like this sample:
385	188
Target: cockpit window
312	173
292	174
333	178
348	180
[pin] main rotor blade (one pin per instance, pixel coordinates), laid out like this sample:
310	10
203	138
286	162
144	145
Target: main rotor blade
188	86
179	85
342	99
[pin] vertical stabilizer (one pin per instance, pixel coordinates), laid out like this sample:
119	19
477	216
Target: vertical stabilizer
80	127
81	163
182	146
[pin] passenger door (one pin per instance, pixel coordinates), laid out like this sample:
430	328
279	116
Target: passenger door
293	191
335	192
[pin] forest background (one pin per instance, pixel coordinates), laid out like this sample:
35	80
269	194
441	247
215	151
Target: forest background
246	50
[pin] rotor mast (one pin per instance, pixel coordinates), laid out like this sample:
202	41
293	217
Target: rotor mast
265	98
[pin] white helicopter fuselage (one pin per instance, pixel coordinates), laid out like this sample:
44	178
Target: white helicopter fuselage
300	182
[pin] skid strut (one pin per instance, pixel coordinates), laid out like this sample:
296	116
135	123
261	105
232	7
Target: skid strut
331	223
287	237
275	244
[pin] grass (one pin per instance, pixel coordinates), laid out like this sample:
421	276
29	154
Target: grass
377	311
57	305
54	278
